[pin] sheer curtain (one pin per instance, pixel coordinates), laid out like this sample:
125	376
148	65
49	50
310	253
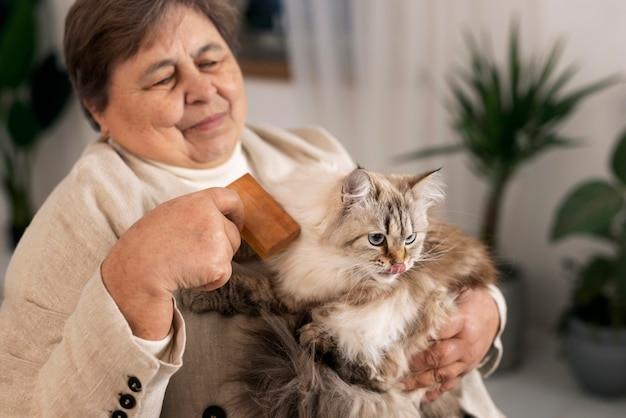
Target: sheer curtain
374	73
365	69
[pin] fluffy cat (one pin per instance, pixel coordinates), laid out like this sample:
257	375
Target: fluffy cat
364	288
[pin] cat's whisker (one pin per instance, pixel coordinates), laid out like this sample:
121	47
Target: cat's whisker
343	274
356	275
435	254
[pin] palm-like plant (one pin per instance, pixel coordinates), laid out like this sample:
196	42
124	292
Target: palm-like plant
507	115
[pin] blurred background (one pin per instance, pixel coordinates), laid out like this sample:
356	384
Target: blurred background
378	75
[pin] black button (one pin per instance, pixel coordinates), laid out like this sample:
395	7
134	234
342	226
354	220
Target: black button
214	411
134	384
127	401
119	414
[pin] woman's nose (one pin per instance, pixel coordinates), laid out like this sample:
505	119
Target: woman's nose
199	88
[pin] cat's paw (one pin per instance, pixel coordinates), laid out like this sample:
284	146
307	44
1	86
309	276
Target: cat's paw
360	373
198	301
315	338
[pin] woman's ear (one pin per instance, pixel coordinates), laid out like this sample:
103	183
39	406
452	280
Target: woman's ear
96	116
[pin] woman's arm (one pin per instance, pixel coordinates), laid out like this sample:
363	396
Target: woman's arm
66	348
186	242
98	368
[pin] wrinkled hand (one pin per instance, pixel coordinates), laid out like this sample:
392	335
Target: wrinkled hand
461	345
187	242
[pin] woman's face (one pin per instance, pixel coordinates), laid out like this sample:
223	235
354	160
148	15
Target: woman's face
180	100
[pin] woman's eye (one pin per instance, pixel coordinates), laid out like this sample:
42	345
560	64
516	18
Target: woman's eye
207	64
165	81
410	239
376	239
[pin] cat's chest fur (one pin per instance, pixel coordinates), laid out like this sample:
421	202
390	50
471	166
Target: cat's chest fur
372	329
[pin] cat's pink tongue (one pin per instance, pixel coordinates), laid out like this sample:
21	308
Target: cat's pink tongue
397	268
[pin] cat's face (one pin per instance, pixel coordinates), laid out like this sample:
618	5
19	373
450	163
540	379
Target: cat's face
384	222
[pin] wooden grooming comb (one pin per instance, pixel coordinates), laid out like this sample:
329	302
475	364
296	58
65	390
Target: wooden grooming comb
267	228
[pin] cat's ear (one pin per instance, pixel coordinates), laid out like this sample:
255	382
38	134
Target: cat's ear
429	187
356	188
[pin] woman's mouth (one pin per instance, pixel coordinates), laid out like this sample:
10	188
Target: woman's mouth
210	123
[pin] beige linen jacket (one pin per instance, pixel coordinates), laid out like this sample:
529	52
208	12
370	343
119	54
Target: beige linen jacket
66	350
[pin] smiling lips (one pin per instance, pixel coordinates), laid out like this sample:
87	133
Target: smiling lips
209	123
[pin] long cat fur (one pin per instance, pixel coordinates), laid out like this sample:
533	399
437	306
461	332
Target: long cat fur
343	317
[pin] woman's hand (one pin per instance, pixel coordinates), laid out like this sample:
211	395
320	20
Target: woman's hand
461	345
188	242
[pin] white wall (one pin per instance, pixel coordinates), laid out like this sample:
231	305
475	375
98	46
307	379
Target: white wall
595	35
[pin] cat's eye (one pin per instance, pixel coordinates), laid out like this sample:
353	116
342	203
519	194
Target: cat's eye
410	239
376	239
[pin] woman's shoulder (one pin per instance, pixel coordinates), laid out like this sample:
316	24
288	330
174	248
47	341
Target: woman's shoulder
102	171
109	187
99	160
282	149
105	167
308	141
98	188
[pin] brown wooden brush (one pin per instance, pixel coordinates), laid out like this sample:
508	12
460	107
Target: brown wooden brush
267	228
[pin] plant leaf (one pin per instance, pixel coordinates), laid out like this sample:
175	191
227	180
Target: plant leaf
514	60
50	89
566	75
619	159
592	279
620	274
550	64
588	209
22	125
17	45
541	143
430	152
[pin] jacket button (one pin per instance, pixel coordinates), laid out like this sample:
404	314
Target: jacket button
214	411
119	414
127	401
134	384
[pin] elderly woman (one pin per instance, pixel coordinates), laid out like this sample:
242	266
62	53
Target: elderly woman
89	326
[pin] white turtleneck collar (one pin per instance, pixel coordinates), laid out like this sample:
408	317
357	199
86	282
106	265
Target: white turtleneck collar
236	166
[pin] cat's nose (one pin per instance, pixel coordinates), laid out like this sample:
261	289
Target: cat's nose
397	268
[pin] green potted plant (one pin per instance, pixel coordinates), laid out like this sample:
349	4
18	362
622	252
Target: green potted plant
504	117
594	323
33	93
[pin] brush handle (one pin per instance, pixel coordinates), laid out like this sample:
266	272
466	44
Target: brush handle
267	228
